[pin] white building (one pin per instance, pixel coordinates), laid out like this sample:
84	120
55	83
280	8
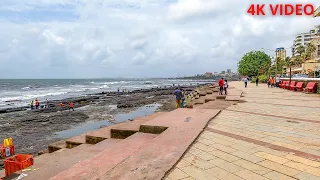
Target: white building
304	38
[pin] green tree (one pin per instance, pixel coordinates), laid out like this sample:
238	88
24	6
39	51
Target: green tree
300	50
254	63
287	61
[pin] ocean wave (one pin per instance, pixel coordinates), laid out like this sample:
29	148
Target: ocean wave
104	87
27	87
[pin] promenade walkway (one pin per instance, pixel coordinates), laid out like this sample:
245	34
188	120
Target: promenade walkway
270	134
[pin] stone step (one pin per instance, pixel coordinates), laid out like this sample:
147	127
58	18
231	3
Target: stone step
75	141
217	104
101	163
127	129
221	97
156	157
201	100
57	146
94	137
182	117
49	165
210	97
203	93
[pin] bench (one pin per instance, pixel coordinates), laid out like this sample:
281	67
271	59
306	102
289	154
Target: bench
282	83
285	84
311	87
298	86
292	85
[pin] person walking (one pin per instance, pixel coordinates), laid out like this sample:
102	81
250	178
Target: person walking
269	82
277	81
221	83
71	106
257	81
225	86
245	82
272	82
178	95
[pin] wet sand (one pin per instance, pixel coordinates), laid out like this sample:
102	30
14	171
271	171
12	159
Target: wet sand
32	131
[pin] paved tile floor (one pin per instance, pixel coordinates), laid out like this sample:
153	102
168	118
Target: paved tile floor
273	134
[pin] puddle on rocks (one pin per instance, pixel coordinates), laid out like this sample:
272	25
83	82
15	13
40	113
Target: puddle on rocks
90	126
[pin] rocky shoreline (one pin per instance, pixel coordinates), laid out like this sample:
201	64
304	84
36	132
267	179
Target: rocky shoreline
32	131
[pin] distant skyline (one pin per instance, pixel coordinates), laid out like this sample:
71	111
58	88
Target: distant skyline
135	38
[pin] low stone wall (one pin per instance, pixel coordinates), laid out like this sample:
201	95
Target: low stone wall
305	80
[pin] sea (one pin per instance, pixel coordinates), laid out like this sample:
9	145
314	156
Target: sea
19	92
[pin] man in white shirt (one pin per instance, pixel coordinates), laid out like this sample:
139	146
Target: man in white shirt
277	81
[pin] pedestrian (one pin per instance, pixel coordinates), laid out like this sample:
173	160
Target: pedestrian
182	98
257	81
245	82
269	82
47	103
178	95
71	106
277	81
221	83
225	86
272	82
37	103
31	104
61	106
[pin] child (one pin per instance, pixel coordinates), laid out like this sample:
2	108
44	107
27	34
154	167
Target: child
225	87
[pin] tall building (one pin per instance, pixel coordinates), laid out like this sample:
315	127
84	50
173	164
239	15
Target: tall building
281	53
229	71
223	72
303	39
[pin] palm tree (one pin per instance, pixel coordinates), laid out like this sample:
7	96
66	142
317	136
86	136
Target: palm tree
287	61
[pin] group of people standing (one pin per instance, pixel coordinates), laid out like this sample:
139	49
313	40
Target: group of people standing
223	86
179	93
273	81
35	104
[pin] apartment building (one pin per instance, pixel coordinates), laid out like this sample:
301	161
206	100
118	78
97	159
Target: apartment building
304	38
281	53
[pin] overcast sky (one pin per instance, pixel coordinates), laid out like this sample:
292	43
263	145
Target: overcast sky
135	38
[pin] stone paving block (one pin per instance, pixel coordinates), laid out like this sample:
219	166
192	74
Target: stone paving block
197	173
182	118
156	157
246	174
303	167
230	167
206	156
222	174
177	174
271	157
223	148
247	157
198	162
183	163
102	162
277	176
201	146
279	167
224	156
302	160
252	167
306	176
